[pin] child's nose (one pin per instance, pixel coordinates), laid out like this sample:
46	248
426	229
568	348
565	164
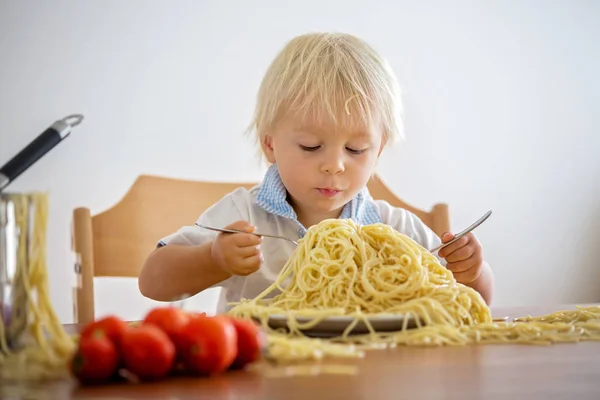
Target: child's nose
333	164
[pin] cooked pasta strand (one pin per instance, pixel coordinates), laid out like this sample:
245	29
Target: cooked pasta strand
46	347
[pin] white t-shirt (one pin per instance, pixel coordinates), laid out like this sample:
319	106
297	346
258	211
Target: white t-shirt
241	204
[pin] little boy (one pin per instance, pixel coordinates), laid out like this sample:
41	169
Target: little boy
326	108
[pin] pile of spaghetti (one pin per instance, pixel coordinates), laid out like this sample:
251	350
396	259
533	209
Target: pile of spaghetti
362	272
42	347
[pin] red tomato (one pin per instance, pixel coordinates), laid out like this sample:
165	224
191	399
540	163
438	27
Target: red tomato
170	319
196	314
95	360
208	345
111	326
148	352
250	340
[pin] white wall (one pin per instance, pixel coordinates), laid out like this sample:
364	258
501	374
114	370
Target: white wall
501	106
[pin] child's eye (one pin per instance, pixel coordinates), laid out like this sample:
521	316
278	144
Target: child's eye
354	151
309	148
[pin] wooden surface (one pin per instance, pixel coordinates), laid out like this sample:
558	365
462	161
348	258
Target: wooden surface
562	371
117	242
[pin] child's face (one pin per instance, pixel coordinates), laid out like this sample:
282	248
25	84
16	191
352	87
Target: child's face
322	167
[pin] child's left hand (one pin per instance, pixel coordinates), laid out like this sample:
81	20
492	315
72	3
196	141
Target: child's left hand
464	257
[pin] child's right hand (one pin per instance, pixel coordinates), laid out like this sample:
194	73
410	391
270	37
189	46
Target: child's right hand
237	253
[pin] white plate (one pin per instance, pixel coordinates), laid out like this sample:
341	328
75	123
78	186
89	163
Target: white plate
335	325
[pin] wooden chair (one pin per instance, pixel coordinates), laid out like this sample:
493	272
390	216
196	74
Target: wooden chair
115	243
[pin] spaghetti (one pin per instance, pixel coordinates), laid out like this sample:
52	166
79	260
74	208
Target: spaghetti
343	269
45	348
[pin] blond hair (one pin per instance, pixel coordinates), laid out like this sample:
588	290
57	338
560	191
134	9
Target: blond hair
329	75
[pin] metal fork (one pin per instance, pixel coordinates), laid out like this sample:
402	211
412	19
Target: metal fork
239	231
458	236
463	233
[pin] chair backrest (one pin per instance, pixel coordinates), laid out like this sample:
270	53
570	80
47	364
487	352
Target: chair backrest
117	241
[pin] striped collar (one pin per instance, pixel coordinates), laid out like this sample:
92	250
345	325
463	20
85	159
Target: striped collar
272	197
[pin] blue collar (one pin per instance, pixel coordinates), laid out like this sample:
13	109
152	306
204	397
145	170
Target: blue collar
272	197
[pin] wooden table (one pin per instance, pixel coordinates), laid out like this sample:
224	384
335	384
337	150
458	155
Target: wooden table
561	371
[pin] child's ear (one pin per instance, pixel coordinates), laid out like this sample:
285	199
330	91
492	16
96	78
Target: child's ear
267	147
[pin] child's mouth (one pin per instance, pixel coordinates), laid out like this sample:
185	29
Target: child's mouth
328	192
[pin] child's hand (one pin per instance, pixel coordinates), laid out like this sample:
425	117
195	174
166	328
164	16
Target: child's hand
237	253
464	257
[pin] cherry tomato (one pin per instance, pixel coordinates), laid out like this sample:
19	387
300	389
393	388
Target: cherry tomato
96	359
194	314
250	341
208	345
111	326
148	352
170	319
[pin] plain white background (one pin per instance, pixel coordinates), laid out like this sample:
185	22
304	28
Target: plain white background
501	103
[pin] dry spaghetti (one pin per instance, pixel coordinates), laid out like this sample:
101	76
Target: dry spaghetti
343	269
